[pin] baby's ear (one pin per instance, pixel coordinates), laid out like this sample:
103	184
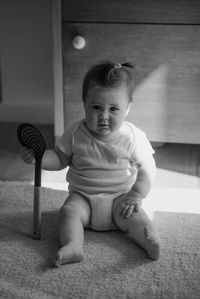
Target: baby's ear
128	109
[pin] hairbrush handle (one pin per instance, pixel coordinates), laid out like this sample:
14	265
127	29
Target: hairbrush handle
37	201
37	213
38	167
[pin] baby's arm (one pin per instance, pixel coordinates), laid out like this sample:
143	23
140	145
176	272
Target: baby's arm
143	184
145	178
53	159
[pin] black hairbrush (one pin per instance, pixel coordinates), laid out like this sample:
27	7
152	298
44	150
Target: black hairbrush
30	137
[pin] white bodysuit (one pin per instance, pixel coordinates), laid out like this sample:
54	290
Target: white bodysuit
103	171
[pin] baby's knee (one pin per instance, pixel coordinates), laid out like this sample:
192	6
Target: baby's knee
75	210
68	210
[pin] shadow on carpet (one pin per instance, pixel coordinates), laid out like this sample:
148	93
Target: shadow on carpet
114	266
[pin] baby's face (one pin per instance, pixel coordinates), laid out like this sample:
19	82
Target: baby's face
106	109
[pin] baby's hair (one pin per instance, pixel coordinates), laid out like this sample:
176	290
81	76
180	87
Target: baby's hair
109	75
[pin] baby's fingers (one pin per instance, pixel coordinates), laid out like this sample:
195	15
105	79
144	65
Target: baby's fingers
124	210
127	210
136	208
130	211
27	155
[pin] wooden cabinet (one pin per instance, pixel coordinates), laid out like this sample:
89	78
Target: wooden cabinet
162	40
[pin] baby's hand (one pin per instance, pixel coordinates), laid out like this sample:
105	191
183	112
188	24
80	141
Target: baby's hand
27	154
131	204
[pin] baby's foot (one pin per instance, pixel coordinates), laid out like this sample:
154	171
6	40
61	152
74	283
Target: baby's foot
152	244
70	253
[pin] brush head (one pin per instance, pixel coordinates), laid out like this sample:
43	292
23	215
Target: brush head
30	137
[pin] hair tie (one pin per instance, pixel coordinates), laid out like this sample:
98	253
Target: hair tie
117	66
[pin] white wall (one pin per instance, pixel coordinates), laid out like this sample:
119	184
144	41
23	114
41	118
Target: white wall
26	61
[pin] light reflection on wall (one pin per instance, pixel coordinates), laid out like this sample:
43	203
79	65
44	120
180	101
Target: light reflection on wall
151	101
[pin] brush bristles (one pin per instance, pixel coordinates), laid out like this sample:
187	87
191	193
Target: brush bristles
32	138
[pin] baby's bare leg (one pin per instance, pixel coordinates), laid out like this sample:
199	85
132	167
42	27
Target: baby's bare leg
74	216
140	228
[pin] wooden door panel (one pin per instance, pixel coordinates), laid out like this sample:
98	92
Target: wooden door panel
132	11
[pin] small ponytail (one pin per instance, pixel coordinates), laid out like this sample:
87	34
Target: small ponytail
109	74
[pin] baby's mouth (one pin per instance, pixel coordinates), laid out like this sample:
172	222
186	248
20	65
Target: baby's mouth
103	125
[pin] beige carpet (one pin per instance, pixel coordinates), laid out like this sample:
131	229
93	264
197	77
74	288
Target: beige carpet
114	267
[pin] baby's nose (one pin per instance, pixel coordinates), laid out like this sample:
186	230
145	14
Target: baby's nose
104	115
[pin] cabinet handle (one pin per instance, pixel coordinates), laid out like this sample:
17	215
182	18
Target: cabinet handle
78	42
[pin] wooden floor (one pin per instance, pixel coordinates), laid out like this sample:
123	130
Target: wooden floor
177	167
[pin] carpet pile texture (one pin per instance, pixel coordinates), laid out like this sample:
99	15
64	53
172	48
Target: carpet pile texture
113	267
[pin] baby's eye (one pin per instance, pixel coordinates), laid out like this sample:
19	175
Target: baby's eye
96	107
114	109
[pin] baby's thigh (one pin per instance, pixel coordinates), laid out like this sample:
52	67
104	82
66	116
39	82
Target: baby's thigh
78	205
